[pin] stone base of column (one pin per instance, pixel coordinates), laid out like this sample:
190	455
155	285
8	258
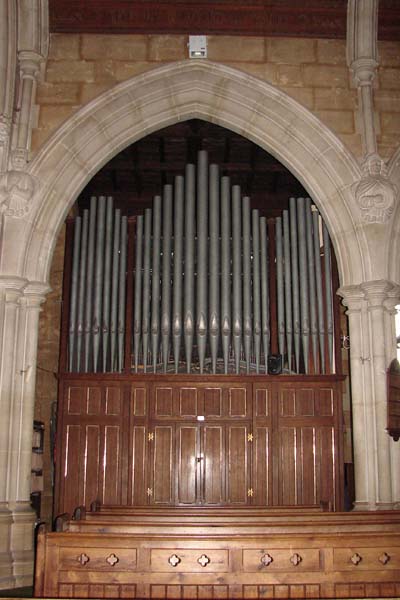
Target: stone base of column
374	506
22	543
7	580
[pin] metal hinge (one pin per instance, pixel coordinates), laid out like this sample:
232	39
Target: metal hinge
250	492
150	437
149	492
250	437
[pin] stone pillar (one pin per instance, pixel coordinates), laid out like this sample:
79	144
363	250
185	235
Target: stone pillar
19	312
8	59
373	457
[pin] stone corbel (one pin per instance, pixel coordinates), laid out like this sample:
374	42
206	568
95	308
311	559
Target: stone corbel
375	193
17	189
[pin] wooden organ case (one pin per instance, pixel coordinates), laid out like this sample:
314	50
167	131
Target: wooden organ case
199	366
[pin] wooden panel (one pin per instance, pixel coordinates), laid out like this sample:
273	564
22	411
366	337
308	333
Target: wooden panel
304	402
306	457
253	560
324	402
163	401
188	402
212	399
73	474
139	399
113	401
76	400
326	456
98	559
93	401
287	489
138	493
287	402
163	460
90	456
369	558
188	453
261	466
238	402
189	560
213	464
110	464
237	464
262	400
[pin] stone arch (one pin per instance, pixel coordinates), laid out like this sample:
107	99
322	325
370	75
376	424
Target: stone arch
394	237
209	91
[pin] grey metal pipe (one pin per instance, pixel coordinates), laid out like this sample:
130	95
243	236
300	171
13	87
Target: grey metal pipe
318	281
256	287
279	285
295	280
122	294
236	275
246	281
178	269
265	329
114	291
89	283
214	300
304	294
137	308
82	289
107	281
74	294
98	281
328	294
148	216
188	320
312	289
166	275
202	254
288	289
225	270
155	281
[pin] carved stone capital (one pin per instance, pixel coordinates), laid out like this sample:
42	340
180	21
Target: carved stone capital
5	129
352	297
376	291
375	193
29	63
16	192
364	70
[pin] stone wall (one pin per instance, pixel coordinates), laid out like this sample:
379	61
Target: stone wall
312	71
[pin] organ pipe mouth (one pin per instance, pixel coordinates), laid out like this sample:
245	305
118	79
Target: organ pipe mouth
215	287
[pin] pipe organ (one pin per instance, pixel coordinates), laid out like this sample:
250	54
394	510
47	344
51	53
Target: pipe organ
213	284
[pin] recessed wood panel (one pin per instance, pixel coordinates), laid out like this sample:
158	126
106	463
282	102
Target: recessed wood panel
163	461
261	466
324	402
189	560
139	467
237	477
139	399
287	402
212	398
163	402
288	466
73	472
325	441
91	461
93	401
110	465
238	402
214	454
76	400
253	559
304	402
98	559
262	398
188	457
188	402
307	467
113	401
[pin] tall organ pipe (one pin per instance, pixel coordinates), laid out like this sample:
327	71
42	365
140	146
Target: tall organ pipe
107	281
74	292
166	275
121	293
295	280
256	287
137	314
155	282
89	283
288	288
214	308
188	321
264	291
148	215
328	294
304	293
82	289
236	275
225	270
178	267
318	281
311	275
114	291
246	241
202	247
98	282
279	288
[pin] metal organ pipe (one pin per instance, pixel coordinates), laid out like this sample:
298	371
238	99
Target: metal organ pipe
137	307
214	299
202	249
226	319
74	291
188	321
107	281
288	288
318	282
155	281
82	289
246	279
304	298
146	286
328	293
279	277
295	280
114	290
236	275
256	288
264	291
98	291
121	294
178	269
166	275
89	282
311	278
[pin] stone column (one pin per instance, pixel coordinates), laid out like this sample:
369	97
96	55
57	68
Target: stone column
375	462
8	59
19	312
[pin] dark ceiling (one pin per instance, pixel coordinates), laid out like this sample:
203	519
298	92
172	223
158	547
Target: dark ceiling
138	173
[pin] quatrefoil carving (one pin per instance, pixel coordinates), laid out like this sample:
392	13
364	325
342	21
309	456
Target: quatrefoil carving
266	560
174	560
83	559
356	558
203	560
112	559
295	559
384	558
